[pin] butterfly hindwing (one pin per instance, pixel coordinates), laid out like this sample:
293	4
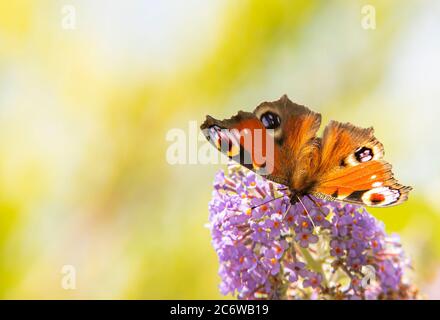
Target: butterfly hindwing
352	168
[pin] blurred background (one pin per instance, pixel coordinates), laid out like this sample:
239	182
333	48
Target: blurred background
89	90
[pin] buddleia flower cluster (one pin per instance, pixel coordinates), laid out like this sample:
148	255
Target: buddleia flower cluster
269	248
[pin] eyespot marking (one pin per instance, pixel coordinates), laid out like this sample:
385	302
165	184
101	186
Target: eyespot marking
377	198
381	196
270	120
364	154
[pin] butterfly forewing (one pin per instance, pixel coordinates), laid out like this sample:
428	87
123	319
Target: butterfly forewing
352	168
254	146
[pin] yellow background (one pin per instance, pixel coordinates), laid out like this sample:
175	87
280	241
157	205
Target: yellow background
84	113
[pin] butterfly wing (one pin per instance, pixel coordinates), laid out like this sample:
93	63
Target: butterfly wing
346	164
244	139
283	145
352	168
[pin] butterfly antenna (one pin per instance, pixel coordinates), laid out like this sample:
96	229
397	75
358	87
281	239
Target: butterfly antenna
263	203
305	209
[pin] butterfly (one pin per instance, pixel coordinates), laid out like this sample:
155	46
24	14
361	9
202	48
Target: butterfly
345	164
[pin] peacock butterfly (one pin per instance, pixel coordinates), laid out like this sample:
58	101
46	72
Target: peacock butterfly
345	164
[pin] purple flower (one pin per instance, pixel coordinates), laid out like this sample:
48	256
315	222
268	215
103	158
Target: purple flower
258	231
313	280
294	270
337	248
263	245
319	216
355	247
390	275
274	223
304	238
279	248
271	262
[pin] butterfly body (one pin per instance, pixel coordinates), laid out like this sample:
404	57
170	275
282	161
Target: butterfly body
345	164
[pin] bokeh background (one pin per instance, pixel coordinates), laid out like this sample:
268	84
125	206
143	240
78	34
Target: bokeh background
84	113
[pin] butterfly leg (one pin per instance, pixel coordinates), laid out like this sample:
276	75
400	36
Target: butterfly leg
287	210
316	203
307	212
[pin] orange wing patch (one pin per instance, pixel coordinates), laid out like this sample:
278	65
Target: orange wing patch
371	183
352	169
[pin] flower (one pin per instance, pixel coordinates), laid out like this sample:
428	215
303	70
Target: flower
337	248
269	248
313	279
294	270
304	238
